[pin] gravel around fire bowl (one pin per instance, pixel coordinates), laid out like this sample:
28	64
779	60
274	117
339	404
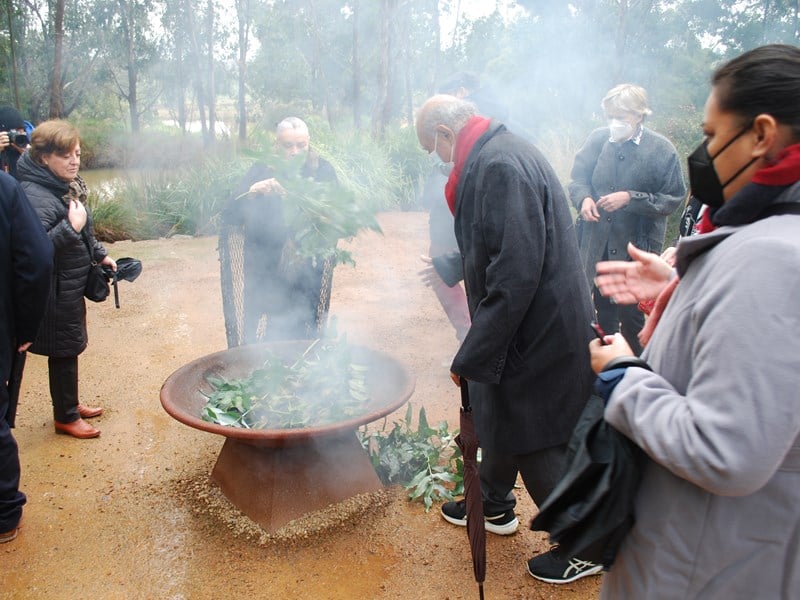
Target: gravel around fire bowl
207	499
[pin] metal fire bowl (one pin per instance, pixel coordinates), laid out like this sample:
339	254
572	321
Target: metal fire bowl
389	384
275	476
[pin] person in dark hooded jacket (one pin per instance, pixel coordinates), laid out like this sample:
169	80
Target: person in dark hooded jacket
49	176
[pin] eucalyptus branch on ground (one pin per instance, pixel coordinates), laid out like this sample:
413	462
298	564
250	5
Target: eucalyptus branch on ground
426	462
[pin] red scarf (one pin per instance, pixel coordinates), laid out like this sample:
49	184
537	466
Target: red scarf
465	140
783	170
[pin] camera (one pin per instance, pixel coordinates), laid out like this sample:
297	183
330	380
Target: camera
18	137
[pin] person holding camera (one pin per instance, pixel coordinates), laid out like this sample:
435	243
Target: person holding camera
13	139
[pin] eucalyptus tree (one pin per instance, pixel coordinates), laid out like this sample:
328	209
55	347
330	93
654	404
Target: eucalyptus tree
57	58
244	20
8	48
340	58
129	48
190	45
734	26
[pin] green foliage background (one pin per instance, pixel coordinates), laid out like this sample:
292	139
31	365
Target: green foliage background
356	71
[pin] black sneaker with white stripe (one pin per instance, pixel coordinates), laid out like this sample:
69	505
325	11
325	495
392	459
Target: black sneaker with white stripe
552	568
503	524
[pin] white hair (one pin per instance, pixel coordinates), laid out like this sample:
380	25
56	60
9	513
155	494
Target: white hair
449	111
292	123
627	97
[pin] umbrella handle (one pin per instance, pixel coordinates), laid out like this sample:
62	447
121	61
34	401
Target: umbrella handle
465	406
116	291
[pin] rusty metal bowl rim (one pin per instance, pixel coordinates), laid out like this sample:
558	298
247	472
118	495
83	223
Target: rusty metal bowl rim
281	437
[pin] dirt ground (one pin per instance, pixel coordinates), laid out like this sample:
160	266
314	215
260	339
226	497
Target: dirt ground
126	515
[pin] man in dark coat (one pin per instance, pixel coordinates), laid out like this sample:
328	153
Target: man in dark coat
26	259
525	358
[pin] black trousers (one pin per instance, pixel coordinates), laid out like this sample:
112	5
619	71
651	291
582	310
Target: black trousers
540	472
63	374
11	499
625	318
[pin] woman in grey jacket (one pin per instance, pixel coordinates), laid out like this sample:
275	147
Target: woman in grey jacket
626	181
718	511
49	176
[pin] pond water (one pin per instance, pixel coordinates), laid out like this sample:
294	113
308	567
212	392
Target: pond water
104	182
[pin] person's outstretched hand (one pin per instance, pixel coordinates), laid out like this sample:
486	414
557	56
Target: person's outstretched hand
629	282
428	274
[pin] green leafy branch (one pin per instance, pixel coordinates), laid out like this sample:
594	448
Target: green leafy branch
319	214
426	462
322	386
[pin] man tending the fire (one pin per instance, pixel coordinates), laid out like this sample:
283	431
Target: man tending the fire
284	296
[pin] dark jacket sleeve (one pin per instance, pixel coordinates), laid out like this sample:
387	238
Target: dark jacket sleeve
449	267
241	208
32	264
580	185
669	190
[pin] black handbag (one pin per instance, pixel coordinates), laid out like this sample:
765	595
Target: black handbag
96	289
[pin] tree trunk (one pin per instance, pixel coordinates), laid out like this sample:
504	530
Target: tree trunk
12	55
196	64
383	104
437	46
211	87
243	14
356	71
128	31
56	100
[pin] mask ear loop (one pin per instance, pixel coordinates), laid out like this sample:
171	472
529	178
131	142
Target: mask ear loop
739	172
725	147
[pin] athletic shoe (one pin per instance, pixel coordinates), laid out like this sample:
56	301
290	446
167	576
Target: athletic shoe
503	524
551	568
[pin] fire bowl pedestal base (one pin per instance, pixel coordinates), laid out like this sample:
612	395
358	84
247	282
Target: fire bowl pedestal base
273	485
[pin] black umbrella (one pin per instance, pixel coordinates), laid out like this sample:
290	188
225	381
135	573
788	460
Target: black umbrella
468	443
14	383
128	269
590	511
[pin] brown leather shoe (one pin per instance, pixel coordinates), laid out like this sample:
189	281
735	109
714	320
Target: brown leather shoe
78	428
87	412
9	535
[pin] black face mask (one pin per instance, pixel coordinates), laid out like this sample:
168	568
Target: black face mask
703	179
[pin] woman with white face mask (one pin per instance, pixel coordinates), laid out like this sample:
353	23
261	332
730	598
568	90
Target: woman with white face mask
626	181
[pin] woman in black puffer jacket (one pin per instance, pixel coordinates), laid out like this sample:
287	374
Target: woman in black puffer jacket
49	176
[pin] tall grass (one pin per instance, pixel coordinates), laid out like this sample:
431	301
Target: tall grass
188	199
153	204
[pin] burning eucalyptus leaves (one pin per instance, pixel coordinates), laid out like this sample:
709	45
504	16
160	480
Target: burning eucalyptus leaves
323	386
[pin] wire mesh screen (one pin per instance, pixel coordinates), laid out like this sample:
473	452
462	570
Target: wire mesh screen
264	322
